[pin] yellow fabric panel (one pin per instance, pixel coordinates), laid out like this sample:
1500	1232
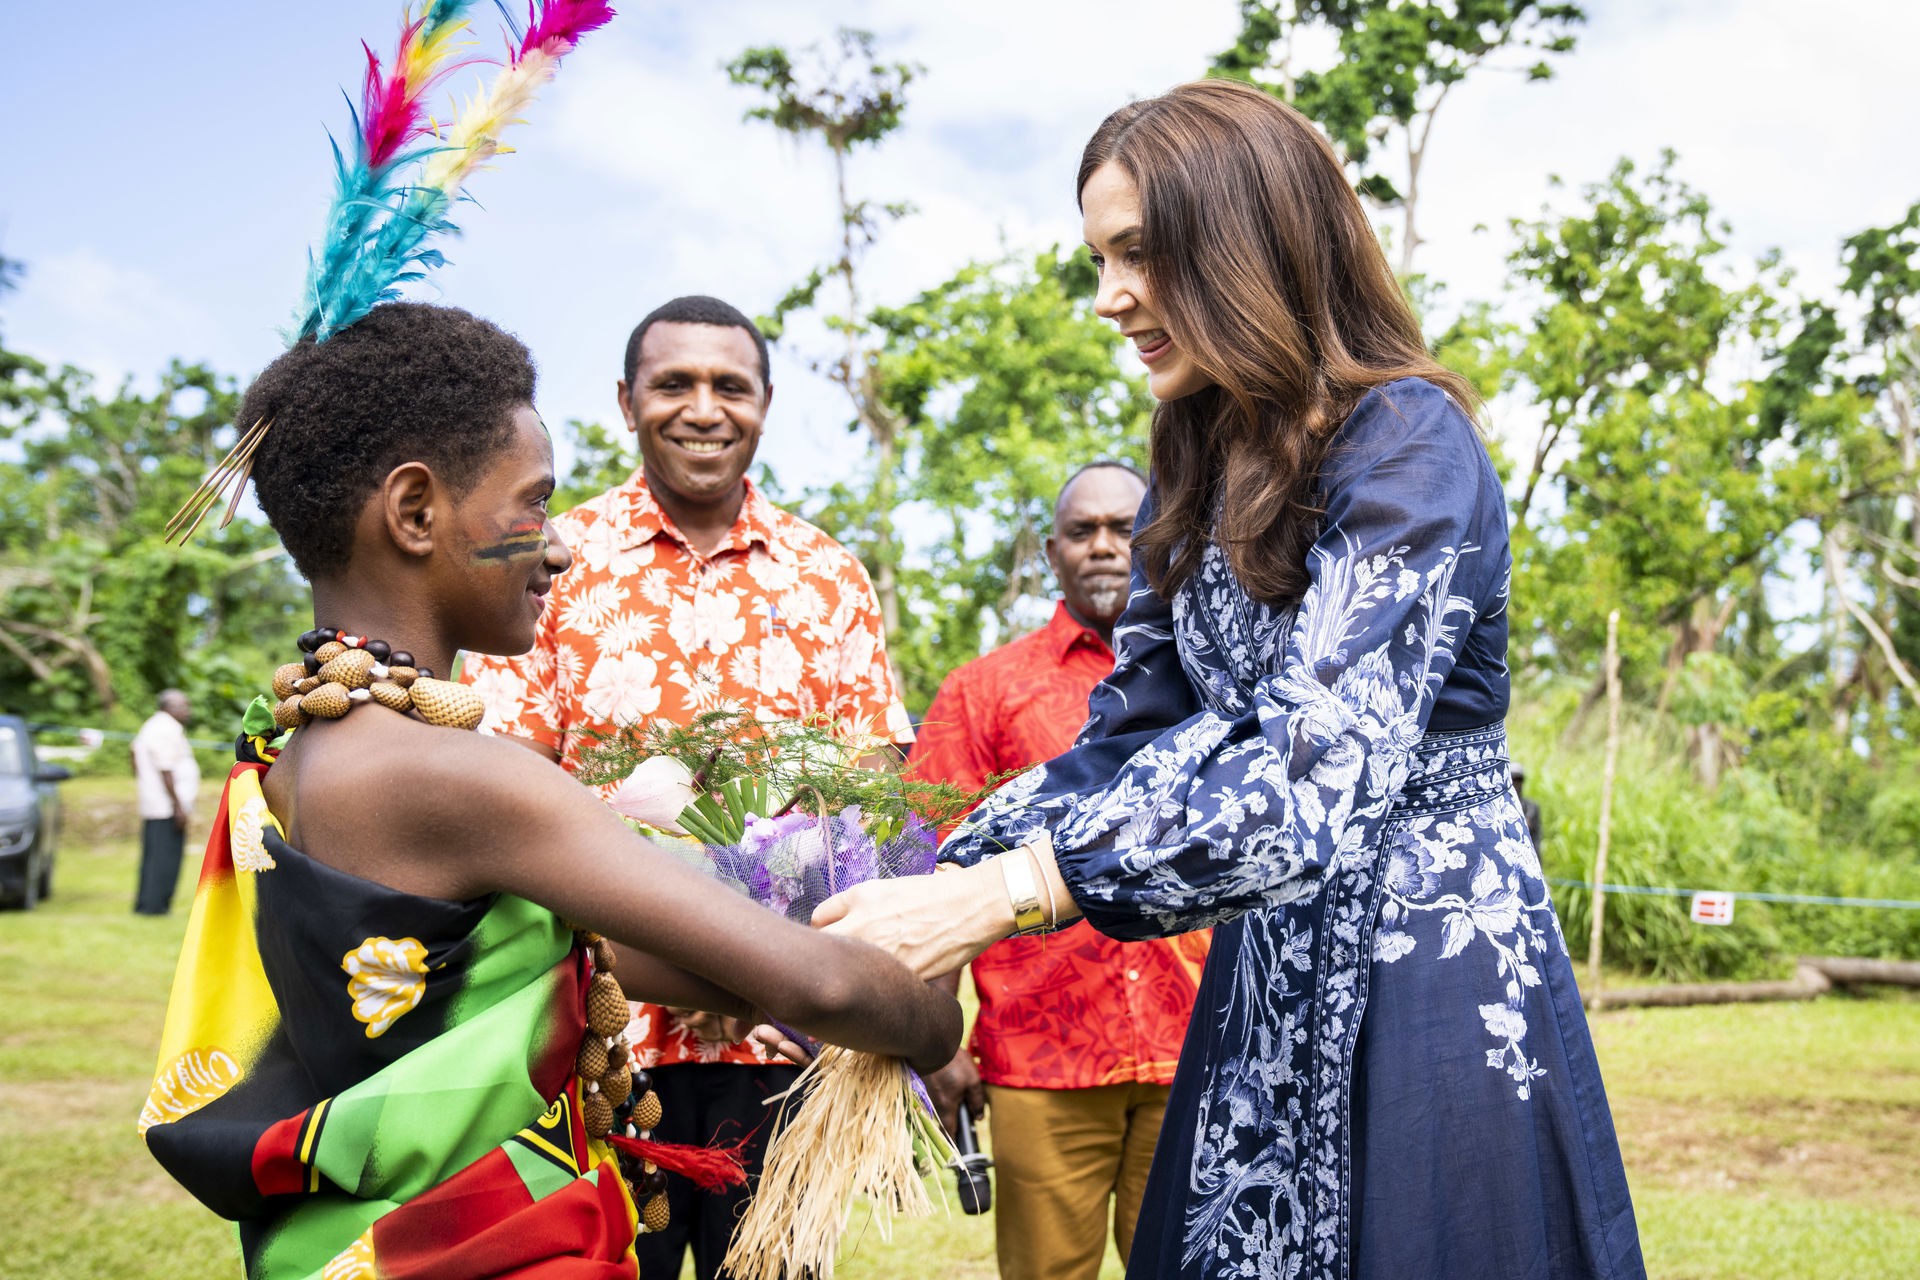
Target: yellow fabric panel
221	1012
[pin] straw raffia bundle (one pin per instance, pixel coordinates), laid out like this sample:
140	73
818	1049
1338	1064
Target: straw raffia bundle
855	1136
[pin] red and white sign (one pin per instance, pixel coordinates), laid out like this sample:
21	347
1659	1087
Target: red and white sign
1712	908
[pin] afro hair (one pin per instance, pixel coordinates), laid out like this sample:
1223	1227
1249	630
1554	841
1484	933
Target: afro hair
406	383
697	308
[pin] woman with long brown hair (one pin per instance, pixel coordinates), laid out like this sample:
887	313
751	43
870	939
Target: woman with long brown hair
1388	1072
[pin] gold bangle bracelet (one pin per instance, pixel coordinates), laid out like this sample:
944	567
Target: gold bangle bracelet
1022	893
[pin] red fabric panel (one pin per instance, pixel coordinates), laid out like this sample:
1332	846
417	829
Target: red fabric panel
218	860
481	1224
277	1170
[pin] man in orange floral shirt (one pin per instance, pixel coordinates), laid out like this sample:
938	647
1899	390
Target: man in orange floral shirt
1077	1035
690	591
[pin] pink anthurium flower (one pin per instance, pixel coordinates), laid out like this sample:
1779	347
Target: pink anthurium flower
656	793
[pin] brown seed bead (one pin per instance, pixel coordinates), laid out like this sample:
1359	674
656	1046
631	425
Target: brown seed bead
655	1215
617	1083
591	1063
449	705
598	1113
607	1012
329	702
390	695
288	714
329	651
646	1112
354	669
603	959
285	677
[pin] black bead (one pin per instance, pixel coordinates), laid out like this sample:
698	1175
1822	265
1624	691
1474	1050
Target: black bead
624	1108
642	1082
425	671
380	649
653	1183
309	641
313	665
400	658
327	635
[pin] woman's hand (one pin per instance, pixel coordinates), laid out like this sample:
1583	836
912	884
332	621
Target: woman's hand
932	924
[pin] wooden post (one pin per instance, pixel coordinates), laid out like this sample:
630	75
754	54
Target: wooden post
1606	804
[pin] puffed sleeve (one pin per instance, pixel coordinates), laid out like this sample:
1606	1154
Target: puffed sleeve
1170	814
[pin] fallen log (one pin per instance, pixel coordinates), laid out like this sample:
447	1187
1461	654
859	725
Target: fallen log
1813	976
1807	983
1848	970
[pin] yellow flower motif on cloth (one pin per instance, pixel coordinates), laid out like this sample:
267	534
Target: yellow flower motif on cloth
187	1084
249	836
385	978
355	1262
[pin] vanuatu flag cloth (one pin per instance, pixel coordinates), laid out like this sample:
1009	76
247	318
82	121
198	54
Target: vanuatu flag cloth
377	1085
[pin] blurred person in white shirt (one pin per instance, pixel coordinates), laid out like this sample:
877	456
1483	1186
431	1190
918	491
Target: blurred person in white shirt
169	780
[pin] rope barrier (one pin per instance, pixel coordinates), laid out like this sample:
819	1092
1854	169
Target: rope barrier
1802	898
120	735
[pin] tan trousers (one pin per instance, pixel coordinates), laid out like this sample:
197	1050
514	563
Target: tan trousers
1059	1155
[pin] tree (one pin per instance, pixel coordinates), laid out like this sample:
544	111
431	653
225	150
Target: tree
1004	382
846	97
95	610
1398	61
1691	415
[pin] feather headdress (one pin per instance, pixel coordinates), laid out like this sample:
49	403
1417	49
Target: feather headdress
404	173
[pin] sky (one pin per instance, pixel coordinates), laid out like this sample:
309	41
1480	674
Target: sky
162	196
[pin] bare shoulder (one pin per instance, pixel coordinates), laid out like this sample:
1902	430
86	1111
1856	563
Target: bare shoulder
403	803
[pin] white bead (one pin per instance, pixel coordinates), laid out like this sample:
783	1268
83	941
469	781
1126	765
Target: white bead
632	1132
359	695
593	1086
379	671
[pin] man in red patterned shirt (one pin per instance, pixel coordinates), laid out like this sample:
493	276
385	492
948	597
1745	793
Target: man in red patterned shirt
1077	1036
689	591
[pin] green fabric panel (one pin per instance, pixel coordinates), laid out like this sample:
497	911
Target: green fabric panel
308	1237
542	1176
513	939
446	1104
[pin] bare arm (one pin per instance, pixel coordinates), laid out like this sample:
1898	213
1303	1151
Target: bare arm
498	819
540	749
650	979
179	814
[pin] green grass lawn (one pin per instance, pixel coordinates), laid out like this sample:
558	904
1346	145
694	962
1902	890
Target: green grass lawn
1764	1142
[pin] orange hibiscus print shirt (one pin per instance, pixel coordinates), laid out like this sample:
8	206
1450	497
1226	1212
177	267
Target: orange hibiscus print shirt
780	620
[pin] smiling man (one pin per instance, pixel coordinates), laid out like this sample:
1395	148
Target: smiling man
689	591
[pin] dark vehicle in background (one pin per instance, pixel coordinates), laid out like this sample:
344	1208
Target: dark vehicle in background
29	816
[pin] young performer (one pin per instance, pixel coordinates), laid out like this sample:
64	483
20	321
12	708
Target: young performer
386	1055
1389	1072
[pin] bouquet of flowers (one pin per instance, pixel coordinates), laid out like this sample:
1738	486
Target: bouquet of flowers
783	811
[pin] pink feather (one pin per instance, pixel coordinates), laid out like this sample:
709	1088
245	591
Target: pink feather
555	26
391	112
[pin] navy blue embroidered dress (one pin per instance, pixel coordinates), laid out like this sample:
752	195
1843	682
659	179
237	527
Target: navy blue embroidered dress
1388	1074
